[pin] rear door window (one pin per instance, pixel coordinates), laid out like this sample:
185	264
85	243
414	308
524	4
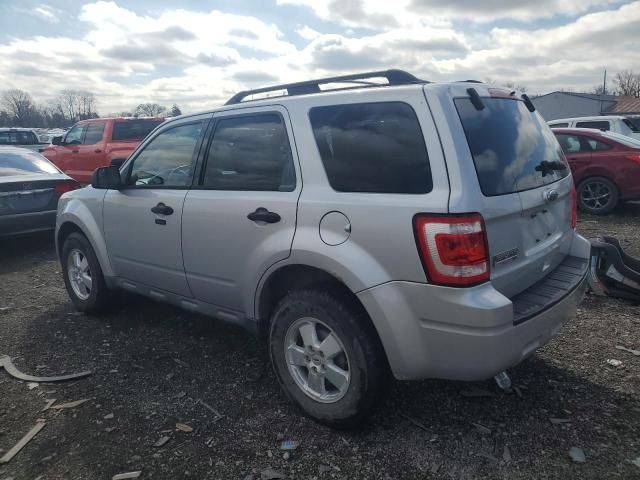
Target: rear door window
571	144
372	147
598	125
134	129
250	153
559	125
509	144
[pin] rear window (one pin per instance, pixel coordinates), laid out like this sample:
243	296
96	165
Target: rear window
134	129
508	144
598	125
372	147
633	124
24	163
559	125
18	138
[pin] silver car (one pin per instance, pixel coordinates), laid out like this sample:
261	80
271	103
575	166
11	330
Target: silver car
389	226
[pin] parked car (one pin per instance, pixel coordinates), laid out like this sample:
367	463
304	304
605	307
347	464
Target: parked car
21	137
410	228
626	126
30	187
605	167
94	143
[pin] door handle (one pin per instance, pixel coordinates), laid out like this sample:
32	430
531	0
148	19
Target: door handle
97	150
162	209
75	151
263	215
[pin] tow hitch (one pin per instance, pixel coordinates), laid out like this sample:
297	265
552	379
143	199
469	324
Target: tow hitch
612	272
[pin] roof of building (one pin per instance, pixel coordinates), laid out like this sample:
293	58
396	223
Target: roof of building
626	105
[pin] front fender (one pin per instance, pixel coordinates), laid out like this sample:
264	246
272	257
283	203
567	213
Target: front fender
83	209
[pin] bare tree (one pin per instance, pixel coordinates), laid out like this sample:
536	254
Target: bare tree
515	86
598	90
149	110
627	83
18	105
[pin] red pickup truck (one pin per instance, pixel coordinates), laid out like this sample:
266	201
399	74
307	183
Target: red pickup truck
98	142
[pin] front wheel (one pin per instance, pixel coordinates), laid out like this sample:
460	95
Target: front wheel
327	359
597	196
83	276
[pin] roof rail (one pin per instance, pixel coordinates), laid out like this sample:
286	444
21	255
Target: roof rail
394	77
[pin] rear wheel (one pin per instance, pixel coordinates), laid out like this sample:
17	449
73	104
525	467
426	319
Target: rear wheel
327	359
83	276
597	195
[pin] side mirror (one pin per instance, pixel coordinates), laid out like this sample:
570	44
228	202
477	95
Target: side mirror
56	140
106	178
117	162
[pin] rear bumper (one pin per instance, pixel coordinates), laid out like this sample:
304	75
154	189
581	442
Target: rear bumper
472	333
27	222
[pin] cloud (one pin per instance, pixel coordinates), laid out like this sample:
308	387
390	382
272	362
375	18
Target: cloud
200	59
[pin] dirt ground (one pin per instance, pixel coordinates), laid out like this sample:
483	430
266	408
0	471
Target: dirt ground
153	365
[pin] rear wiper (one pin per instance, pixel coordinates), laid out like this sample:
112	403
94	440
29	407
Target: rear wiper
547	167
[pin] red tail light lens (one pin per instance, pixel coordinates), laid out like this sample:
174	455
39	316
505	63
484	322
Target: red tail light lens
453	248
633	158
65	187
574	207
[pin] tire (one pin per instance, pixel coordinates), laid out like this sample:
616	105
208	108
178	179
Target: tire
347	402
89	300
598	196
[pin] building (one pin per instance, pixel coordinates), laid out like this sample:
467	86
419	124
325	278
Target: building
568	104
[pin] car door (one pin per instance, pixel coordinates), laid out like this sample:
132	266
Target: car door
241	218
142	220
89	154
63	154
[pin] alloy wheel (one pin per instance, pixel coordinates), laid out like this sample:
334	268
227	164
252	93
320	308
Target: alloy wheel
79	274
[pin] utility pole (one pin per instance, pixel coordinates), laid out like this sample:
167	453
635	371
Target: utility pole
604	83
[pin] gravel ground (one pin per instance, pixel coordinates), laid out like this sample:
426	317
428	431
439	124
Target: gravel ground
152	364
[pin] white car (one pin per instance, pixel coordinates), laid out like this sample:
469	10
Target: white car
21	137
629	127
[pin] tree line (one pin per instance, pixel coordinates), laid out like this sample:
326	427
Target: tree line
19	109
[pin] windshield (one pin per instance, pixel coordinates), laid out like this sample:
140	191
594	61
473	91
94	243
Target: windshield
513	149
17	162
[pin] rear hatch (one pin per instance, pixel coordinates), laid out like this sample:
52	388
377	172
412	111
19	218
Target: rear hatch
525	186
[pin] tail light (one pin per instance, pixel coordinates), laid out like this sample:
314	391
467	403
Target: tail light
453	248
574	207
633	158
65	187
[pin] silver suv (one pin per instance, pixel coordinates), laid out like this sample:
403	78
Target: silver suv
409	228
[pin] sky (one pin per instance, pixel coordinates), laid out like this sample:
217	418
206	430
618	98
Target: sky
198	53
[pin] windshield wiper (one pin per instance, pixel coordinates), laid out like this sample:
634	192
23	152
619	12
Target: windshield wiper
547	167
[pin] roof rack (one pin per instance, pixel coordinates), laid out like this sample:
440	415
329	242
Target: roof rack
394	77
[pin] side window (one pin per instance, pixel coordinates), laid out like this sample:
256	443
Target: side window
94	133
570	143
74	136
250	153
597	146
372	147
598	125
167	161
559	125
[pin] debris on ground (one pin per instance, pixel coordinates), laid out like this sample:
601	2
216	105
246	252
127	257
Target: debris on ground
630	350
162	441
613	362
289	445
125	476
32	385
476	392
558	421
50	401
482	429
10	368
286	456
184	427
217	414
109	416
23	441
180	362
415	422
506	454
636	462
74	404
270	474
577	455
